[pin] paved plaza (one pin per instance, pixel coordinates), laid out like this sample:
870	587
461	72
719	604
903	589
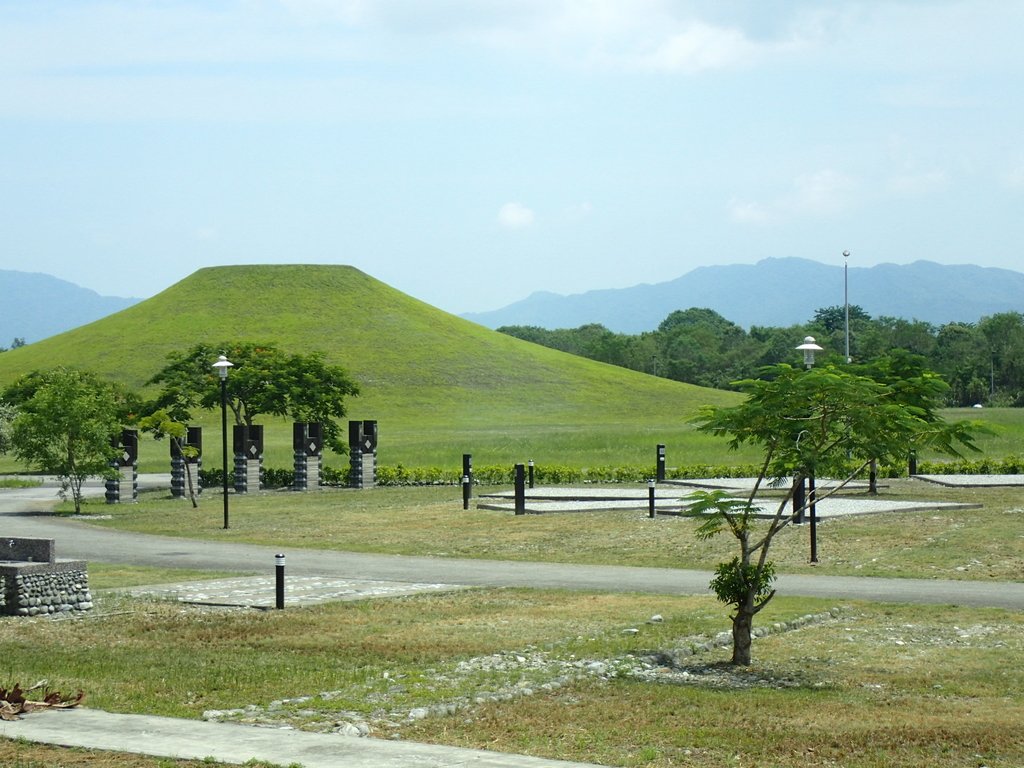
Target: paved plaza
670	498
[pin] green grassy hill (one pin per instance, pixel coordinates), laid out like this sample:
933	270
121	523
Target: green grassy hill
438	385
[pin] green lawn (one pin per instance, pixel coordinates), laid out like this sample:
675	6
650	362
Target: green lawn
947	679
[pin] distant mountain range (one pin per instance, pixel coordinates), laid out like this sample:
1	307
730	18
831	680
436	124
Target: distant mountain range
779	293
773	292
34	306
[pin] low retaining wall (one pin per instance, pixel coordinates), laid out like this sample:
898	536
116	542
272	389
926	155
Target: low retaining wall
33	582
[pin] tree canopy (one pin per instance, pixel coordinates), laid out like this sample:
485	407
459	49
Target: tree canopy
983	362
263	380
67	424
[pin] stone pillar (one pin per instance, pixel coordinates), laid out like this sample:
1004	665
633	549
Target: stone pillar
125	485
362	450
248	449
307	441
180	463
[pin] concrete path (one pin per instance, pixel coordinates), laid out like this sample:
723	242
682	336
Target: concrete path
237	744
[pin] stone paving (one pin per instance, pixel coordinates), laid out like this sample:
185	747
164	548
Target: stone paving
973	481
261	592
670	498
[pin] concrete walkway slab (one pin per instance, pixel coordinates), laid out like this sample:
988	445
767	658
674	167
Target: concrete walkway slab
236	744
973	481
261	591
673	501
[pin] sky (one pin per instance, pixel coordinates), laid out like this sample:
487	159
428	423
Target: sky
471	152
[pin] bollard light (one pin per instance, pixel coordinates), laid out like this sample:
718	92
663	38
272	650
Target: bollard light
279	568
650	497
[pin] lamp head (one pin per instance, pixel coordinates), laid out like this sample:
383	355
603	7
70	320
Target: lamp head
809	347
222	366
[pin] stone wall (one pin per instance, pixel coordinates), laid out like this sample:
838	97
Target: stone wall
32	589
33	582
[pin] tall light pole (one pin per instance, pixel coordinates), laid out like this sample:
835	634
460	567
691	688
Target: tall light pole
809	347
222	366
846	301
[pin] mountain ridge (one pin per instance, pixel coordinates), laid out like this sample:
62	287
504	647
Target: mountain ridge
778	292
37	306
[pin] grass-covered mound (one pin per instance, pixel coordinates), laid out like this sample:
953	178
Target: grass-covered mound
438	385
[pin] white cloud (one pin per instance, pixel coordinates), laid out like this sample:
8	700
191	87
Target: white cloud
515	216
700	47
819	194
747	212
916	184
823	192
579	211
1013	174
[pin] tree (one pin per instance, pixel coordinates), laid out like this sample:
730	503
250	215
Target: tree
814	423
7	414
264	380
66	425
162	425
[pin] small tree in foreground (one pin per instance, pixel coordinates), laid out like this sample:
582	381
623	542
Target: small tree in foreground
65	426
162	425
814	423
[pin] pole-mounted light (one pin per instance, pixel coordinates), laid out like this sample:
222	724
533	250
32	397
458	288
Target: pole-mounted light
846	301
222	365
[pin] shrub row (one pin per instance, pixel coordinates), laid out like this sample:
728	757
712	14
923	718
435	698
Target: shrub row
554	474
544	474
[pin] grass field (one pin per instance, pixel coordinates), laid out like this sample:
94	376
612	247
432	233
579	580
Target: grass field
948	679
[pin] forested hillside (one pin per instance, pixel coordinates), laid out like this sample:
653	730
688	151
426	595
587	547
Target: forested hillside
983	362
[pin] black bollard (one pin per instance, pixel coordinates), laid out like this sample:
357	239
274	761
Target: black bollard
279	562
530	469
798	501
659	474
814	518
520	489
650	498
467	470
465	491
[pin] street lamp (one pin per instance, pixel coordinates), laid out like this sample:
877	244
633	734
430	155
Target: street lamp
846	302
809	347
222	366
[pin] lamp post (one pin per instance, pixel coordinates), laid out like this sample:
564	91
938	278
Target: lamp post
809	347
222	366
846	302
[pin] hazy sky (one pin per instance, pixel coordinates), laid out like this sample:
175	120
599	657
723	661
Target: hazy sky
469	152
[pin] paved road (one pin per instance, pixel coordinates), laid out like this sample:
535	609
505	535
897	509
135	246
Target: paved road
20	516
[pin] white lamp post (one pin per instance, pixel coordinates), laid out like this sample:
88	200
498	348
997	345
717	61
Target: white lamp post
222	366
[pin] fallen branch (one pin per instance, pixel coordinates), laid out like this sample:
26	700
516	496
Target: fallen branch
14	702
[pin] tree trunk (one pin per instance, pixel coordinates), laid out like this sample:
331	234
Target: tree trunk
742	623
191	487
